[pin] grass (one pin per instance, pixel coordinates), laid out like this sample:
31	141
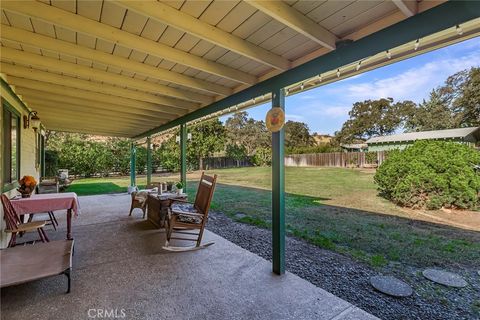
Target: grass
334	208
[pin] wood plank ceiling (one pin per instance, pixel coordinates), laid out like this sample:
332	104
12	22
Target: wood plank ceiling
123	67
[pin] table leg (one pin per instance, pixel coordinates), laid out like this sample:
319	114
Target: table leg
69	224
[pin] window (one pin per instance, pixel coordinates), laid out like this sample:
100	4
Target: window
11	145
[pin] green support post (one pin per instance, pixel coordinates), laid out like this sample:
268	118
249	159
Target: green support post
278	190
133	156
42	156
149	160
183	156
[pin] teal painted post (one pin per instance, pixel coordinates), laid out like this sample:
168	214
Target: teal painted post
149	160
42	156
133	156
183	156
278	190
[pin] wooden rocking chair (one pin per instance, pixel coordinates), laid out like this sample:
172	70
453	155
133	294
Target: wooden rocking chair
14	224
184	217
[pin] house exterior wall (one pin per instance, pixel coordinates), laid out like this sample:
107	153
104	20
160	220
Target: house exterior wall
28	163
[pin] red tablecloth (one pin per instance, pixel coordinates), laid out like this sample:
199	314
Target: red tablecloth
47	202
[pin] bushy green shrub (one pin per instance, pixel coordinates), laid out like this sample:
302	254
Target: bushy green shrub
262	157
431	175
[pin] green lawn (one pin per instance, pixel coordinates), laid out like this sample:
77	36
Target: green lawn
337	209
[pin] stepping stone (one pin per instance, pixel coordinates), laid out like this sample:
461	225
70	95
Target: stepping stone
391	286
240	215
446	278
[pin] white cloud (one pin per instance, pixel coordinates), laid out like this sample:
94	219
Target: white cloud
413	84
295	117
335	112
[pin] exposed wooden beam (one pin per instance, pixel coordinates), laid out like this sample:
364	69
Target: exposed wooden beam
437	19
408	7
48	77
52	64
100	117
378	25
44	42
56	125
84	25
294	19
166	14
82	94
52	97
82	119
36	102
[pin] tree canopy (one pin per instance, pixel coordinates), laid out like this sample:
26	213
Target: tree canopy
371	118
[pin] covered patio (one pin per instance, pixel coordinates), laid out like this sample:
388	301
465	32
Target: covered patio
119	265
135	69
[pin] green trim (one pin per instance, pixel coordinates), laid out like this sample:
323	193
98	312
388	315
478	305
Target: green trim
423	24
149	160
278	190
7	87
133	156
42	156
7	106
183	156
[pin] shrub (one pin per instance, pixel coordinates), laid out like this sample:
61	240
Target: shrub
262	157
431	175
51	163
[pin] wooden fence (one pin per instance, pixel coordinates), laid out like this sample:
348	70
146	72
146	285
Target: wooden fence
332	159
224	162
336	159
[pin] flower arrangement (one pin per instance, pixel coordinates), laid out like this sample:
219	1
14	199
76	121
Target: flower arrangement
27	185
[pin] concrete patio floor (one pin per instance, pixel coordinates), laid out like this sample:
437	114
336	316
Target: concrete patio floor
119	265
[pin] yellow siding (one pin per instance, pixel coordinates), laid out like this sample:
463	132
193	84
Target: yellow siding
27	155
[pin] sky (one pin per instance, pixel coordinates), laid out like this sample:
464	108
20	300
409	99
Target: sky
325	109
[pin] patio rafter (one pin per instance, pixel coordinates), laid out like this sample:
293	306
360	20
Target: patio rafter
60	126
35	60
292	18
408	7
47	96
62	90
166	14
81	24
55	106
437	19
64	47
102	118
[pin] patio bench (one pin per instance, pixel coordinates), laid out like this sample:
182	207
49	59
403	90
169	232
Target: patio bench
22	264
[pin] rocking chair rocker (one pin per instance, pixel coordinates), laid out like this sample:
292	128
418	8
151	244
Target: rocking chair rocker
184	217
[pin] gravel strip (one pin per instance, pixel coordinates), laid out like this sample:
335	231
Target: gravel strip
349	279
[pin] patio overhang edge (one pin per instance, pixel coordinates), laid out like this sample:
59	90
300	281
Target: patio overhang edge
423	24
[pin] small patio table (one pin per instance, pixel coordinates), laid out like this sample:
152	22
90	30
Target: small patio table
157	205
42	203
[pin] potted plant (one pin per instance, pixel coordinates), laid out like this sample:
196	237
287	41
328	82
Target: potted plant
26	186
179	186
